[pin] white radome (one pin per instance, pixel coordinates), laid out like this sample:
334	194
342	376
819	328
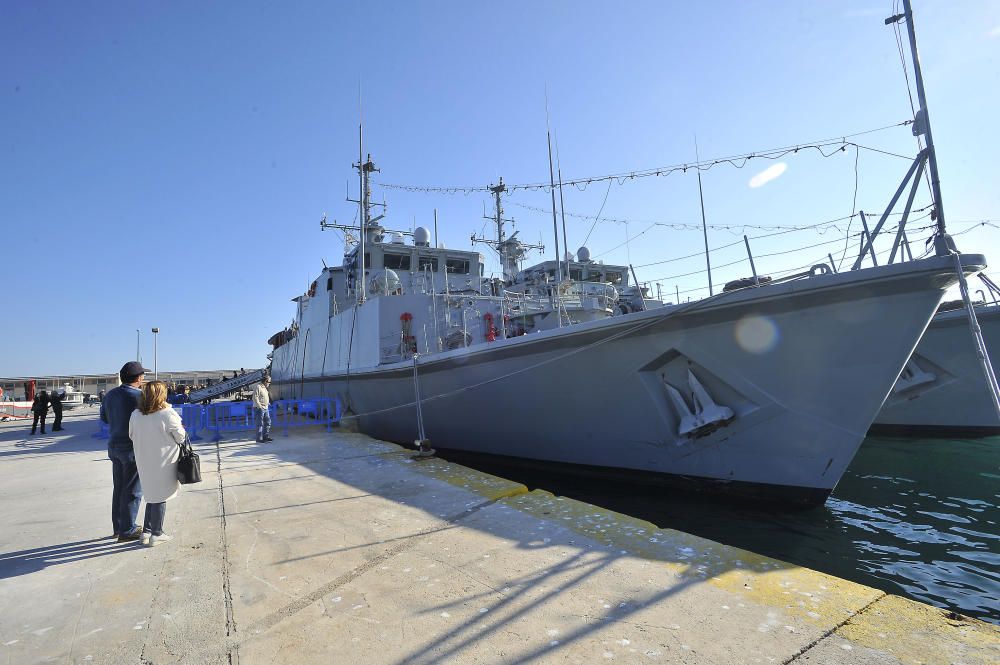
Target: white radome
384	282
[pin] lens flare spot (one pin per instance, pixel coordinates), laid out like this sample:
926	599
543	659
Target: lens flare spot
756	334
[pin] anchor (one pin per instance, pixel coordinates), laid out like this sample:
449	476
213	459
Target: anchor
706	417
913	375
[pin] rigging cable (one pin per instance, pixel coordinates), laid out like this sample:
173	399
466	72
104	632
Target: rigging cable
738	161
778	253
854	207
597	218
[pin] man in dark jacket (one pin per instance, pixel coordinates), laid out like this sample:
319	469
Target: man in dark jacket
56	401
116	410
40	409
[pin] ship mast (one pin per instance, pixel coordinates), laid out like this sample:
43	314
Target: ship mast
497	190
362	213
367	224
366	221
943	244
511	250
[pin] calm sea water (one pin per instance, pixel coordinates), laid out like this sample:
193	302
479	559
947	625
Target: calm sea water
918	518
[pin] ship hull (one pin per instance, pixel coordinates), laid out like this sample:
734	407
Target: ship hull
953	399
803	368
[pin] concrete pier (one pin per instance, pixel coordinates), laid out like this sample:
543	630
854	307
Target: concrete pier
337	548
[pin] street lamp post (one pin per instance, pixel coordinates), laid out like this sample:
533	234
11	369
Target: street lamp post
156	332
137	345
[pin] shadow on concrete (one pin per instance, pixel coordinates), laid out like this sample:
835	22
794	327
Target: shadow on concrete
13	564
295	505
364	474
482	625
16	439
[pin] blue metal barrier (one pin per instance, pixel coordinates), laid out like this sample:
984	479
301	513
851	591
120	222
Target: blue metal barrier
228	416
287	413
241	416
193	419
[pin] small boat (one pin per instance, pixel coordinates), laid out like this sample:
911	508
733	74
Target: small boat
72	398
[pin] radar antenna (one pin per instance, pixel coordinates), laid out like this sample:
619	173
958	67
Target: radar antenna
511	250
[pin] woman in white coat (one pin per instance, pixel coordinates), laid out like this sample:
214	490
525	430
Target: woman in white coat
156	430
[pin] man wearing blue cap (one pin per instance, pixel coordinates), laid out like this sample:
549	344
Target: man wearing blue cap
116	410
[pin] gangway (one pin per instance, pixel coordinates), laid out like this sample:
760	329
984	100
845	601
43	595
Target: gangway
226	387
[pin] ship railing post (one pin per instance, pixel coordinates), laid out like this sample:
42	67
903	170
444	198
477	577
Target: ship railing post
866	240
901	232
756	281
918	160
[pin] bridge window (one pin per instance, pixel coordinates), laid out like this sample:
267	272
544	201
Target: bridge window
397	261
329	283
457	266
427	263
613	277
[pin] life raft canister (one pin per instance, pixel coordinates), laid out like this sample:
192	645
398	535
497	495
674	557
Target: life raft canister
409	340
491	331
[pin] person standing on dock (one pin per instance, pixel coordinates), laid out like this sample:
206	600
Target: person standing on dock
116	410
156	432
39	409
261	405
56	402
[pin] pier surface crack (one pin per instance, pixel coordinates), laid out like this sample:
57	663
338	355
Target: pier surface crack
267	622
794	657
233	654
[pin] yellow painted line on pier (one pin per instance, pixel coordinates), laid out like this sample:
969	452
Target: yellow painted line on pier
918	633
819	599
490	487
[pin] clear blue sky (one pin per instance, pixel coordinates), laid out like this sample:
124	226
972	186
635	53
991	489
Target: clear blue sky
166	163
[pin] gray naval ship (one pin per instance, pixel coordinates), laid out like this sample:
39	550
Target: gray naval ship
763	391
943	391
766	391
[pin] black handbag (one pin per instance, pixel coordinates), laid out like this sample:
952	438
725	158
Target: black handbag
188	464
